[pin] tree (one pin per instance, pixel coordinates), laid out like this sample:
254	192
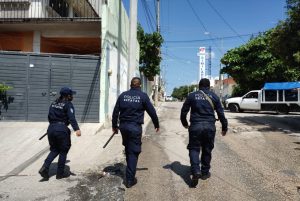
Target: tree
285	42
150	56
273	56
4	99
183	91
253	64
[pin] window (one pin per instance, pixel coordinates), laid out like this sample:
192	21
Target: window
60	6
270	95
291	95
252	95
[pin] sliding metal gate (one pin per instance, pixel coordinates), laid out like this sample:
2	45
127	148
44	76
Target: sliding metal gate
37	78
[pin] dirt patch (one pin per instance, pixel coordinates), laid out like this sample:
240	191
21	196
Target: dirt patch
98	186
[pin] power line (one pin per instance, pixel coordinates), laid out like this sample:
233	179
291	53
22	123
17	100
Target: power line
202	24
150	21
154	2
210	39
149	26
182	60
224	20
149	11
198	18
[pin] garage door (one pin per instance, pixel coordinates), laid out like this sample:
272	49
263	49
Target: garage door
37	78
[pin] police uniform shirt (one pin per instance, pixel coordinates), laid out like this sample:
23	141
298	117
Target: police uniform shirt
63	112
201	110
130	107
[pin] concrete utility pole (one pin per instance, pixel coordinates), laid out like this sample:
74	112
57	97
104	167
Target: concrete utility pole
209	63
156	80
132	41
220	75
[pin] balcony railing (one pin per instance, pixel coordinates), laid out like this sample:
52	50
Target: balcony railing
26	10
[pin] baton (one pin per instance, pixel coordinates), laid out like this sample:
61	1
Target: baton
109	139
42	136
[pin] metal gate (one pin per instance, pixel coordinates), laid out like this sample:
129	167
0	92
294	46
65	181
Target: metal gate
37	78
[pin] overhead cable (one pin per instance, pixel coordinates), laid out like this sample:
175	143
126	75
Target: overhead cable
202	24
150	22
224	20
210	39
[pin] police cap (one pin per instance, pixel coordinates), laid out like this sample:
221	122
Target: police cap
67	91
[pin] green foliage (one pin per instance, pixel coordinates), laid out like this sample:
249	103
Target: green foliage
273	56
285	39
237	91
4	99
4	88
150	57
182	92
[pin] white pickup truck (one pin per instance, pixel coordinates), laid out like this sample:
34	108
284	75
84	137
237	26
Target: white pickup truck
281	97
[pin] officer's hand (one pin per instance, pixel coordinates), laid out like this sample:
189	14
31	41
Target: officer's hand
115	130
156	129
224	133
78	133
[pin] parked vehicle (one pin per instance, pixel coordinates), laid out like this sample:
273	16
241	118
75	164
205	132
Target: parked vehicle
281	97
168	98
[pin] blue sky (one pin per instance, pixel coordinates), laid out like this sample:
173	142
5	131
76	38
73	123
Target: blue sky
200	22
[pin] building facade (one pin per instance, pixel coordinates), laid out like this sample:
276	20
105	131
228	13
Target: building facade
47	44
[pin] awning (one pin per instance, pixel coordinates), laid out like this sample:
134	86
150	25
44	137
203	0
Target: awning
281	85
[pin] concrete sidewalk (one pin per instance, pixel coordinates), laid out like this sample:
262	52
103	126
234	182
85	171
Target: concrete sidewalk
22	155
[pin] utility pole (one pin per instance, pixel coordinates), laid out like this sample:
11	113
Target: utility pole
220	75
209	63
132	41
156	80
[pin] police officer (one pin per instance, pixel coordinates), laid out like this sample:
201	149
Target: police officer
61	114
202	129
129	110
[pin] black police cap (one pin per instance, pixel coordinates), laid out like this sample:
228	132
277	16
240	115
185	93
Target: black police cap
67	91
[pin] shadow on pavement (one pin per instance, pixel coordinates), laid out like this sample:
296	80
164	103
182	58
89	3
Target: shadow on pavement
183	171
117	169
53	170
273	123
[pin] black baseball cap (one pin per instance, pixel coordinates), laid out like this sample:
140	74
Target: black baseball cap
67	91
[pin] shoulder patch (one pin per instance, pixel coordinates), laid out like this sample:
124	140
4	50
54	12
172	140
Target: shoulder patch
71	109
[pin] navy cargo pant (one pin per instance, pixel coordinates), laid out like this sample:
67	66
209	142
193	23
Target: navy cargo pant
60	143
132	140
201	136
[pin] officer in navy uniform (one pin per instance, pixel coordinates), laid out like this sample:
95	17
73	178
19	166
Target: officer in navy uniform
202	129
129	111
61	114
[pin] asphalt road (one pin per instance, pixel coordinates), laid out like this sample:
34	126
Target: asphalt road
257	160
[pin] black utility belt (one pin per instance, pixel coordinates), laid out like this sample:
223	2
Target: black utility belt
63	123
131	122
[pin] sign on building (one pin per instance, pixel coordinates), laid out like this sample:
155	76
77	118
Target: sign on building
201	55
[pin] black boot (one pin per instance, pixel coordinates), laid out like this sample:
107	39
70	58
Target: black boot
195	179
129	184
205	176
44	172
